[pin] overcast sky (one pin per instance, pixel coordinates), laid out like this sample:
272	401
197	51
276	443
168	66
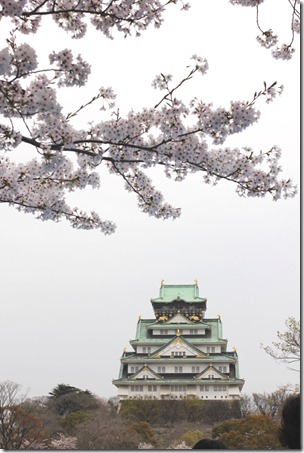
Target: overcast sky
70	299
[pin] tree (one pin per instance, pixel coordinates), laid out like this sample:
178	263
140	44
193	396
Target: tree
254	432
192	436
182	137
73	419
247	406
63	443
106	431
19	427
66	399
194	410
144	430
271	404
288	348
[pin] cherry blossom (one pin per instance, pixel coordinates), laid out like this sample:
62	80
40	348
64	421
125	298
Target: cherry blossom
268	38
181	136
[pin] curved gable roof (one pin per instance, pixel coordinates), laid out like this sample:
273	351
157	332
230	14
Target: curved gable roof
169	293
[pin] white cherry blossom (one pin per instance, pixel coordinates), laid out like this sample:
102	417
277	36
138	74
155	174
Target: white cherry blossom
181	136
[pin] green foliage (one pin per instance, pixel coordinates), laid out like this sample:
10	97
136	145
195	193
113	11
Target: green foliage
193	410
191	437
136	410
254	432
144	430
65	399
73	419
64	389
217	411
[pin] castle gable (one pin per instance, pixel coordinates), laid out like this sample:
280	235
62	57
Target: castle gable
210	373
178	347
145	373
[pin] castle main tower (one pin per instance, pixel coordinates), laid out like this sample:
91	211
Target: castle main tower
180	353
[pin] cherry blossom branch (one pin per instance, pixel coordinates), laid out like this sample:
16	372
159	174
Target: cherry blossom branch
173	134
268	39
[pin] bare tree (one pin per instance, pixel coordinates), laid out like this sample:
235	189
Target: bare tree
288	348
106	431
247	405
270	404
19	427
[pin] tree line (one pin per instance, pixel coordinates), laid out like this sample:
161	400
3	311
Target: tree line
71	418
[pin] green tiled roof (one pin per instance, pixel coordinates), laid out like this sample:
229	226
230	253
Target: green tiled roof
143	324
188	293
208	358
179	381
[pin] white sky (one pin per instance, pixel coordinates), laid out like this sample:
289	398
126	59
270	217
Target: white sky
70	299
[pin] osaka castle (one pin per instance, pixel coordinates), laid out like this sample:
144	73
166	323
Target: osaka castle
180	353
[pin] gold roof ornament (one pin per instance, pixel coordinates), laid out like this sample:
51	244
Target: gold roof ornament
124	349
234	349
196	282
139	317
162	282
178	333
219	317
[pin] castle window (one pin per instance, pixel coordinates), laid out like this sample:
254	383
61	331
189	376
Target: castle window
152	388
178	353
137	388
219	388
211	349
161	369
178	388
178	369
195	369
204	388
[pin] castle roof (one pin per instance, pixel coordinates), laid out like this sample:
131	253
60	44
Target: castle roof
170	293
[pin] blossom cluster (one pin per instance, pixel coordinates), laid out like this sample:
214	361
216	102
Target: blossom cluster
201	64
70	73
122	15
246	2
61	443
267	39
283	53
177	446
9	138
12	7
39	187
17	60
219	123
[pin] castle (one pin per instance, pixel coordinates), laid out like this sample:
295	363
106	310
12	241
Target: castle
179	353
